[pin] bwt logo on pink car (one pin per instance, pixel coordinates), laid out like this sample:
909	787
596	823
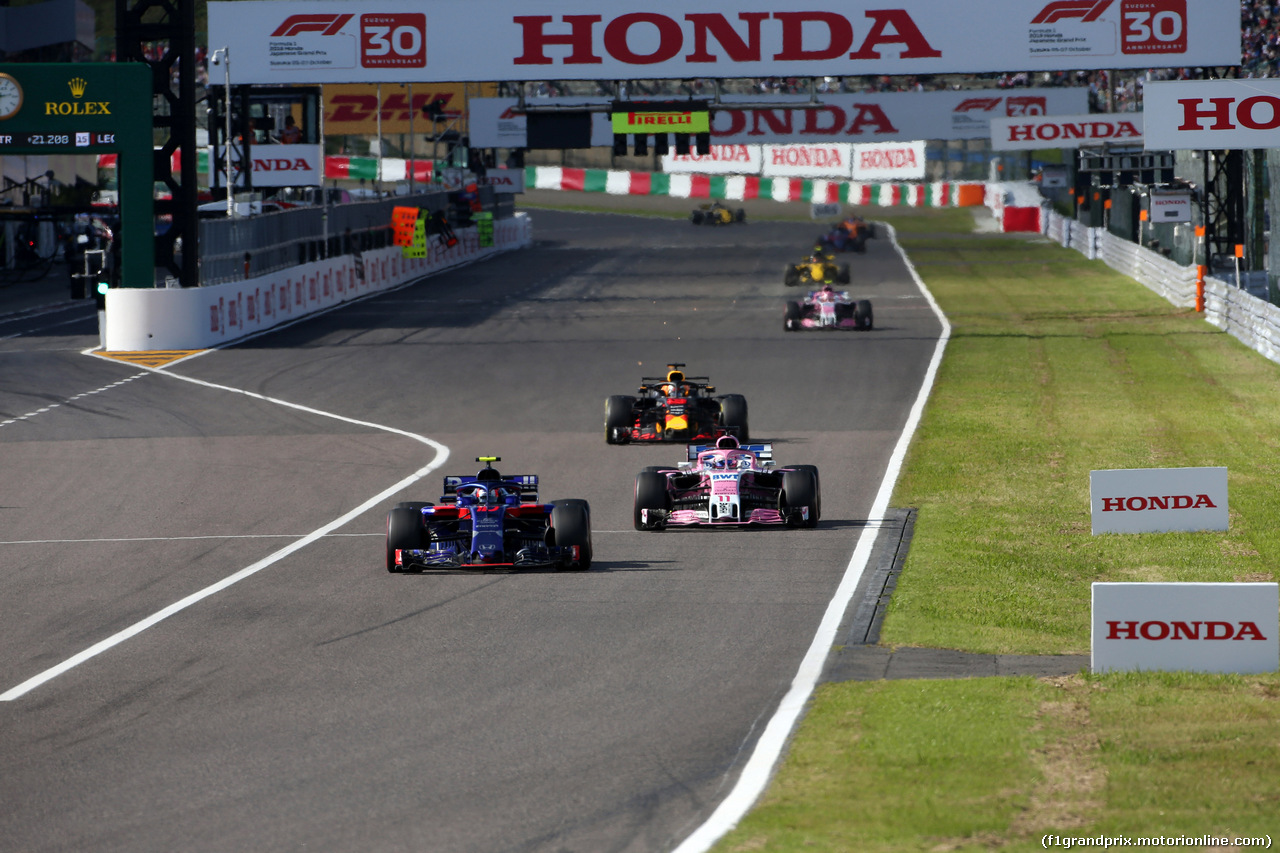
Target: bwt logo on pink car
1160	630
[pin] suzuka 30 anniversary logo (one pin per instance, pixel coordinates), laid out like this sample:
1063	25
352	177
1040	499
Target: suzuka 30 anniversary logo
1089	27
376	40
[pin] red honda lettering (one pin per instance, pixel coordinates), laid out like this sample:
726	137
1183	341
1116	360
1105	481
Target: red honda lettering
670	39
904	32
535	39
1244	113
715	25
1221	113
1130	630
839	30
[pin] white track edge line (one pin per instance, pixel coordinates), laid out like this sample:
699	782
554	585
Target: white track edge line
441	456
760	766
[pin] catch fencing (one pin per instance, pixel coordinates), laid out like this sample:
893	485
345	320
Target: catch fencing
1252	320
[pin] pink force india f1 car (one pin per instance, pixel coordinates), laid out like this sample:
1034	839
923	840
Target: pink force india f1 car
728	485
828	308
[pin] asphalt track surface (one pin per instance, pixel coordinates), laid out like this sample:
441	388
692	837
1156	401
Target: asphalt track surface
320	703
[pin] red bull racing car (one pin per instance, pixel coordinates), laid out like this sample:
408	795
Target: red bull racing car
674	408
828	308
728	485
489	521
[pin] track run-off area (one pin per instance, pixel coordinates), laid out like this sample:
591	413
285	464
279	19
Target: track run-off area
201	649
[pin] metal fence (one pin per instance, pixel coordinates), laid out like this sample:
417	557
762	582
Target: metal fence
251	246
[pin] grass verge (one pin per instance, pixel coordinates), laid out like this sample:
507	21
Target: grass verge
1057	366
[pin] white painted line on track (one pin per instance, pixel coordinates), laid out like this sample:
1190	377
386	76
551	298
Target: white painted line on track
52	406
441	456
764	758
173	538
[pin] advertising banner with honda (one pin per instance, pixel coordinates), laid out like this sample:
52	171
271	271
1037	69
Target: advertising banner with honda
1076	131
276	166
331	41
1212	114
1186	627
1158	500
864	117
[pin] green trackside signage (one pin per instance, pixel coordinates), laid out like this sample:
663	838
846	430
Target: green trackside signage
90	108
673	121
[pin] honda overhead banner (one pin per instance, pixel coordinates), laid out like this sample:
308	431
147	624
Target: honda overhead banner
1039	132
1204	114
337	41
863	117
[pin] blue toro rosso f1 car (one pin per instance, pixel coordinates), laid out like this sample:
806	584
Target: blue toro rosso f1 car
489	521
728	485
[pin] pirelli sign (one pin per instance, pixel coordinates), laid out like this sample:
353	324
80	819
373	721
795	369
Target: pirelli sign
661	121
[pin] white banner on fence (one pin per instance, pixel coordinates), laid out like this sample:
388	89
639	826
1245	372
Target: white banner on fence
865	117
277	165
336	41
1077	131
889	161
1186	627
1170	207
808	161
722	160
1204	114
1158	500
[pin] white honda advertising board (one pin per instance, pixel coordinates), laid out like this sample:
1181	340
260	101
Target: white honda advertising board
807	161
278	165
866	117
1158	500
1217	114
889	161
1186	627
338	41
720	160
1054	131
1170	207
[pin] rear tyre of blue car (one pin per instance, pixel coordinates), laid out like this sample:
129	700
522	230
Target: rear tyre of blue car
651	494
404	532
800	489
571	521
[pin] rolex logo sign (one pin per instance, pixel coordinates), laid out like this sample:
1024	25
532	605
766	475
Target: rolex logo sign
77	107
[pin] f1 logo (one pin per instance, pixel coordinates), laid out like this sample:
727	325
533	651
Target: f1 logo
325	25
1085	10
393	40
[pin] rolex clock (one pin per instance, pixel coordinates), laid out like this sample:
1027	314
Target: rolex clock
10	96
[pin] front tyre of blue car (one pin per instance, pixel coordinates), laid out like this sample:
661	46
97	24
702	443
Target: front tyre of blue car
571	521
404	533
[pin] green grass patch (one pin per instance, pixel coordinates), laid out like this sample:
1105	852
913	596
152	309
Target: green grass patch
1057	366
998	763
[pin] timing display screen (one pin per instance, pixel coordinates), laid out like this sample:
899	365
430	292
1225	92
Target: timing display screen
37	140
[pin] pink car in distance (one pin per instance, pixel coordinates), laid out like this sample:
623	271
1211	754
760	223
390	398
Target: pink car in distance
828	308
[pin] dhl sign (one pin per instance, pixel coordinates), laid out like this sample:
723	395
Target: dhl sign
351	109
